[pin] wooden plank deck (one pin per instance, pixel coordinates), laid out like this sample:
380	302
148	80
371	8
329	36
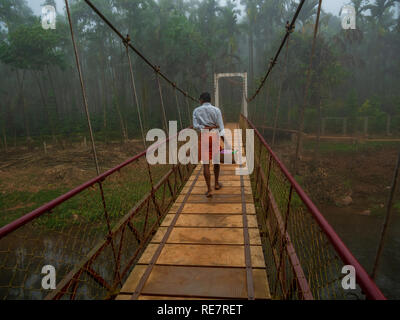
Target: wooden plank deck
206	248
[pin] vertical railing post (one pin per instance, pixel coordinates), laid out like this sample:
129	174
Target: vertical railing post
188	108
258	165
283	244
109	236
269	170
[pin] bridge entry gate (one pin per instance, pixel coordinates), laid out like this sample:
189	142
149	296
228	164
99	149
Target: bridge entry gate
228	110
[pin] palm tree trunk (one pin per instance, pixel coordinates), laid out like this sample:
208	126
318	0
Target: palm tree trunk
251	55
5	140
121	121
299	145
4	130
54	92
22	101
37	78
319	127
284	70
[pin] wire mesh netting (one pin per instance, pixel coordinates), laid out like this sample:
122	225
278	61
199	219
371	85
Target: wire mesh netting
94	238
302	262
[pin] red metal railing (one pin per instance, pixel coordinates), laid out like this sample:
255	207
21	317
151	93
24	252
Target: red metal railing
304	254
93	235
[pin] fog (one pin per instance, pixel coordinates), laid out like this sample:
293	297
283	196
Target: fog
332	6
347	89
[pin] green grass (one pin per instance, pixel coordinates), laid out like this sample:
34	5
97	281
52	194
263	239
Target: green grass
15	204
85	207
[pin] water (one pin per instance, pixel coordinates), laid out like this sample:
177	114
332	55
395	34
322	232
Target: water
22	259
361	234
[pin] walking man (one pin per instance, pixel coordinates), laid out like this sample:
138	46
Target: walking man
207	120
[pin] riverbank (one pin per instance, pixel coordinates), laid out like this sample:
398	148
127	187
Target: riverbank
350	184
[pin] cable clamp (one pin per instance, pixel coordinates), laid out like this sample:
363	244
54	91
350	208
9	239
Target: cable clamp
288	28
127	40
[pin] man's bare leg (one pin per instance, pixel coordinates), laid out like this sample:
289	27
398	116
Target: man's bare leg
217	168
207	177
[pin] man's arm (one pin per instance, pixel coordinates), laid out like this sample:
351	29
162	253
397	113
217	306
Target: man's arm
220	123
196	124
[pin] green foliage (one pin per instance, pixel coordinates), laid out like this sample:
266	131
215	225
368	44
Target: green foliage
370	108
14	12
191	40
31	47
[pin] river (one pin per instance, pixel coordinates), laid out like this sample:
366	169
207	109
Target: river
362	234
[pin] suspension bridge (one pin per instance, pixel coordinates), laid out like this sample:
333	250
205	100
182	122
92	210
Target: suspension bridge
140	231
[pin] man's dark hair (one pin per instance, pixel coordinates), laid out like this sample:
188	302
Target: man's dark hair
205	97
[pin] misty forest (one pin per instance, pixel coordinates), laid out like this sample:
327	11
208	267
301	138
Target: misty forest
355	72
334	121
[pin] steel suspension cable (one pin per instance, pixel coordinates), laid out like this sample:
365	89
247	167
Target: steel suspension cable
188	110
126	42
267	96
134	92
84	97
177	106
119	34
306	91
388	216
91	135
135	97
275	59
162	102
284	71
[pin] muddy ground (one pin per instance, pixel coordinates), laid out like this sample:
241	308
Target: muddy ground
346	174
29	179
31	171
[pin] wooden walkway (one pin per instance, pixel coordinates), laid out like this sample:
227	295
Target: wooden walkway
206	248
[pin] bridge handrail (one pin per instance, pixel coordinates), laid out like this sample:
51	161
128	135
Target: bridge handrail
363	279
12	226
